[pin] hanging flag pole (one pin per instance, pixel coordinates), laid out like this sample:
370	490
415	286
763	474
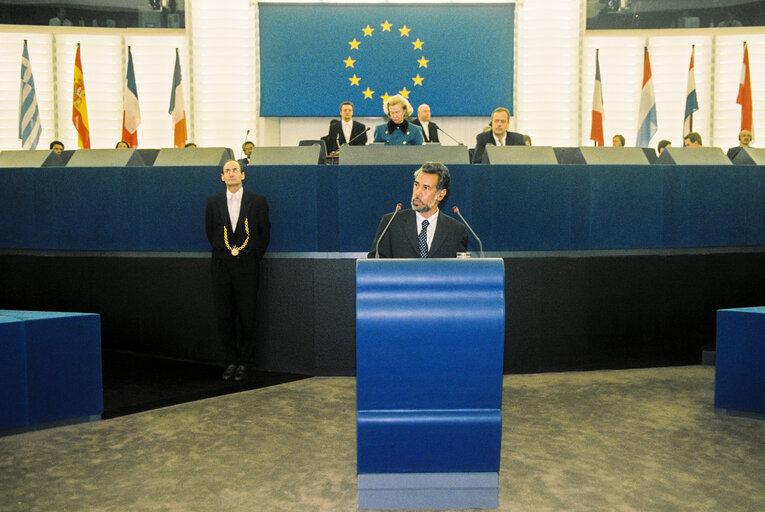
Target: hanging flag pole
598	111
647	116
79	105
745	94
29	113
691	102
177	110
131	112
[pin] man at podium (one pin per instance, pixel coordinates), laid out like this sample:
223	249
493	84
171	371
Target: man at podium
422	231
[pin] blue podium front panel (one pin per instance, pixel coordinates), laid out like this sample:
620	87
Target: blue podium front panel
14	406
53	365
740	359
429	343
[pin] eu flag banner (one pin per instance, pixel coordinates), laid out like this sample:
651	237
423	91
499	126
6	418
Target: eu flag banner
315	56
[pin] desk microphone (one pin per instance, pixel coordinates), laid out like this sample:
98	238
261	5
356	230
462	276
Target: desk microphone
455	140
241	154
377	245
357	136
480	245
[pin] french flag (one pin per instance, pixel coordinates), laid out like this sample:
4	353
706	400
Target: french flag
131	113
691	103
177	110
598	112
647	116
745	94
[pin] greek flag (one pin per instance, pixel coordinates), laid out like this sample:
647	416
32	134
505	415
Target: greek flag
29	114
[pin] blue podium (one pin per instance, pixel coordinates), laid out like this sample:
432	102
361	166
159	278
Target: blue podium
429	343
740	358
50	369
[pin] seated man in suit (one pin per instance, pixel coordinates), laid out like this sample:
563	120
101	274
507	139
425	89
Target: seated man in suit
423	231
429	128
498	135
744	139
247	148
346	130
398	131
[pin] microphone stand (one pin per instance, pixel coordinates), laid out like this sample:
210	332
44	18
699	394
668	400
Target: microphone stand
455	140
377	245
480	245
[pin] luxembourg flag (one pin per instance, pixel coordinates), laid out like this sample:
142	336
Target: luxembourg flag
177	110
131	113
598	112
647	127
745	94
691	103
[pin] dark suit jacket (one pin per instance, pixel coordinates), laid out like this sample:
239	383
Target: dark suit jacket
400	241
732	152
255	209
487	137
336	137
432	135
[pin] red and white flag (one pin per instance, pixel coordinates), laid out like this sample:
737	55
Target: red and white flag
745	94
598	114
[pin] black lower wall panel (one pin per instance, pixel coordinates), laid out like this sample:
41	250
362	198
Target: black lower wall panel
564	312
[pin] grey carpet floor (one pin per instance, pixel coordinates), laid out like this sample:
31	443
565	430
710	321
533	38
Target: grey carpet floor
627	440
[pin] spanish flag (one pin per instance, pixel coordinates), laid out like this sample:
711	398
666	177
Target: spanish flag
79	105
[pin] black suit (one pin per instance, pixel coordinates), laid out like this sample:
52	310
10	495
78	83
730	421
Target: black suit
400	241
432	135
235	278
487	137
336	137
732	152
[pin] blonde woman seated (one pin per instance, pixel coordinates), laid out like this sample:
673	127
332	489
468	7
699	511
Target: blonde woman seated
398	131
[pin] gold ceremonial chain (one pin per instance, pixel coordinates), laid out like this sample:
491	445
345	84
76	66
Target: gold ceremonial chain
235	250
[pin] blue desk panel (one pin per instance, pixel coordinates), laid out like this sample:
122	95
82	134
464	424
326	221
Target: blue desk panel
53	367
337	208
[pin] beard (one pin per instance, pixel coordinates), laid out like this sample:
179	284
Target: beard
423	206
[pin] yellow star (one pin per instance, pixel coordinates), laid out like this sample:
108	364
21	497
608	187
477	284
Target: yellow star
349	62
423	62
368	31
368	93
354	44
385	97
404	31
355	79
386	26
418	79
404	92
418	44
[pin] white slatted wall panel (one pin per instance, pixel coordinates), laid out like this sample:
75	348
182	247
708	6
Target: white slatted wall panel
223	57
547	72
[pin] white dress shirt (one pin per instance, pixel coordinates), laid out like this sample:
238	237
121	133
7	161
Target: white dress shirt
234	202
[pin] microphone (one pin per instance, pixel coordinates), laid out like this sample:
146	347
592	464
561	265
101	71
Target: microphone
480	245
455	140
377	245
241	154
357	136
